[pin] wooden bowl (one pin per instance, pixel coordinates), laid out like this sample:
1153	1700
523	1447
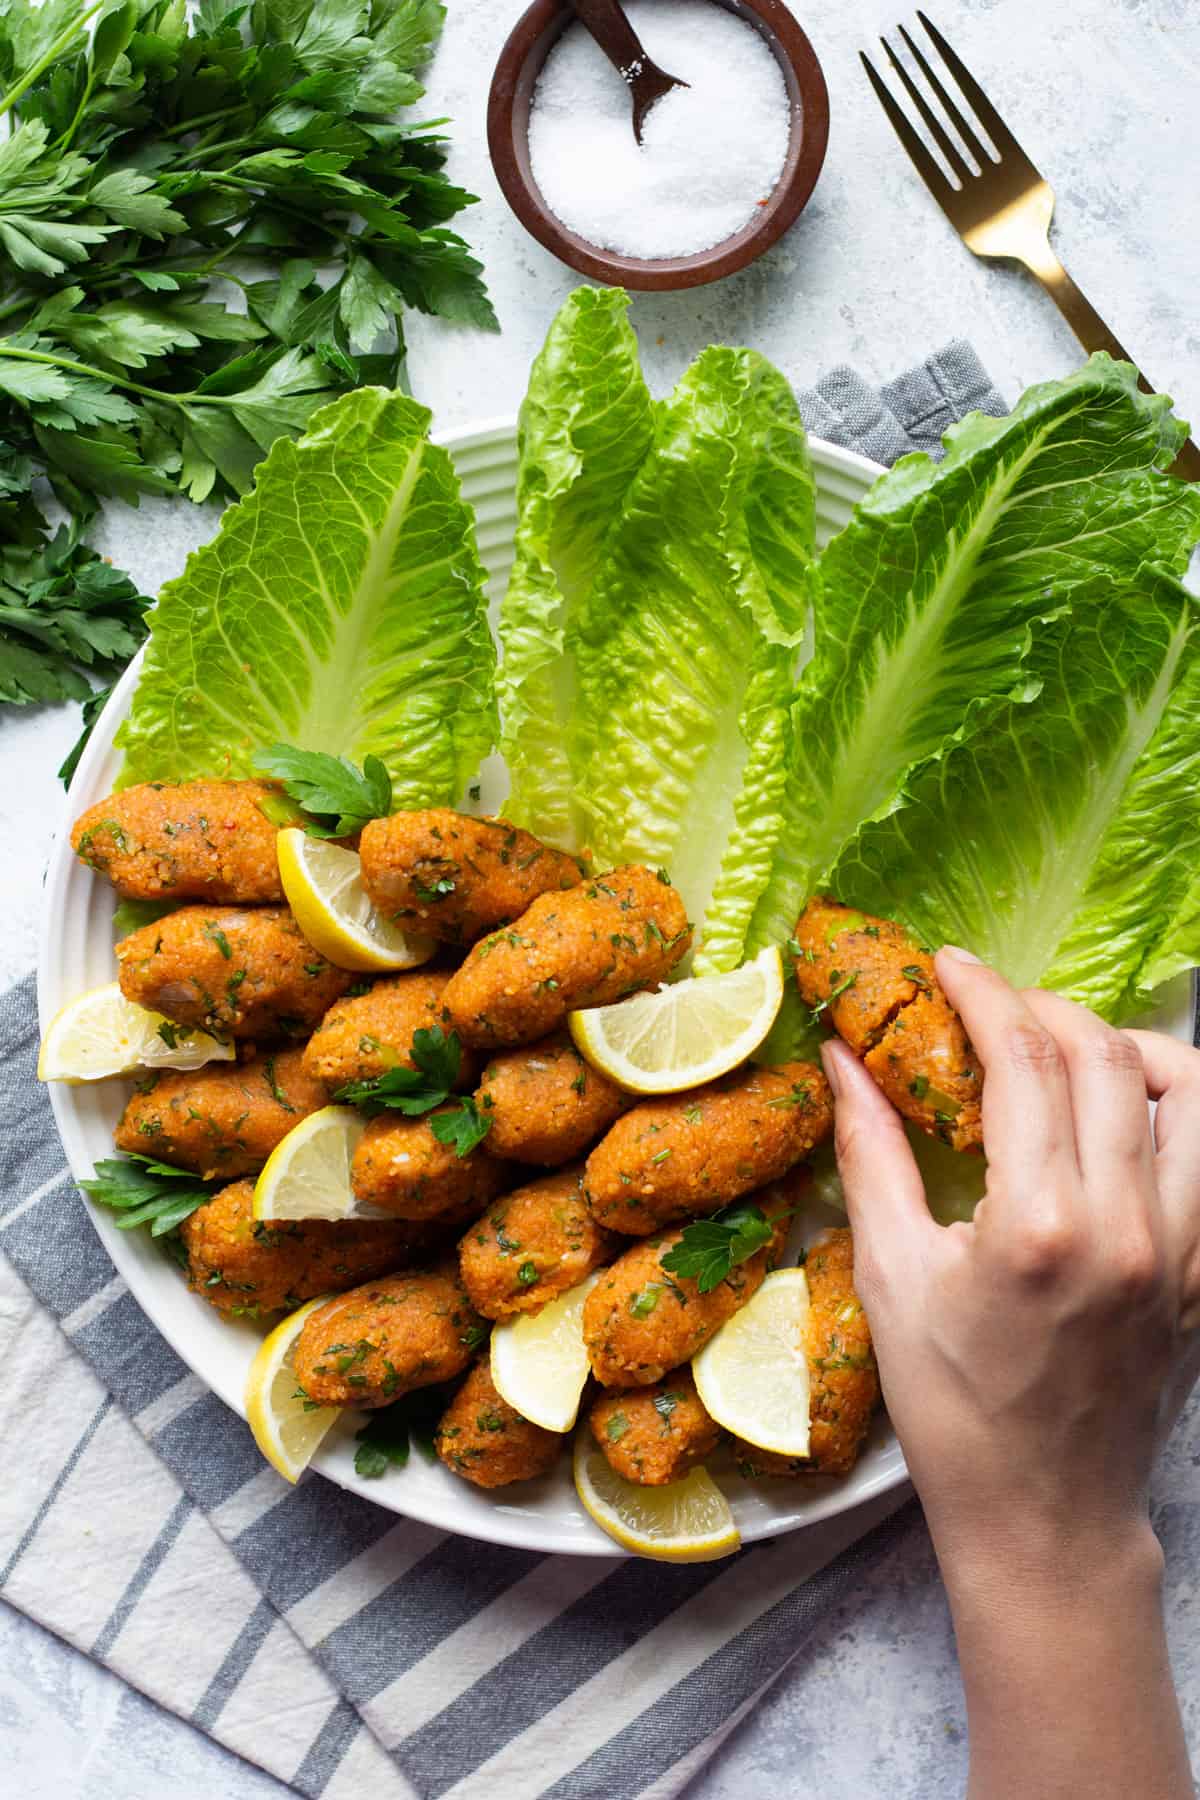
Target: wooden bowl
517	71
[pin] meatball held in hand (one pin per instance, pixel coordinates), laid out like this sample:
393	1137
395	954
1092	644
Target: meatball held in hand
383	1339
843	1378
654	1435
595	943
190	840
365	1035
883	998
693	1153
453	877
223	1120
640	1321
533	1244
245	973
546	1104
241	1265
482	1438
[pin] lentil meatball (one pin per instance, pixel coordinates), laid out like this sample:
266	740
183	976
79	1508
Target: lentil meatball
365	1035
221	1120
883	998
483	1439
693	1153
400	1166
189	840
245	973
843	1378
640	1321
381	1340
598	942
453	877
535	1243
546	1104
243	1265
654	1435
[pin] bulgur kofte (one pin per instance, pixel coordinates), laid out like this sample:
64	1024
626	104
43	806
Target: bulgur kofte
594	943
364	1035
187	840
545	1104
243	1265
486	1441
654	1435
536	1242
694	1152
401	1166
379	1341
222	1120
881	995
454	877
244	972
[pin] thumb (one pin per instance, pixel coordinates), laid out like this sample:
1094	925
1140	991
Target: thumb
885	1195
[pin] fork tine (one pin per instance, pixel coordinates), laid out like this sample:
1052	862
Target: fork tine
985	112
956	117
929	171
941	137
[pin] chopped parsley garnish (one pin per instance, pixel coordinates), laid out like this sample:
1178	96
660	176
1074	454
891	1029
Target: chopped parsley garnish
616	1428
338	798
431	892
664	1406
709	1249
143	1192
385	1440
527	1274
643	1303
216	936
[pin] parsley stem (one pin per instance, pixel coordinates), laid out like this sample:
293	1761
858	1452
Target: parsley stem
132	387
56	49
209	118
206	149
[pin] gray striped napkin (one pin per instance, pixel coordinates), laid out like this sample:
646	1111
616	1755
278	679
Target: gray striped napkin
339	1647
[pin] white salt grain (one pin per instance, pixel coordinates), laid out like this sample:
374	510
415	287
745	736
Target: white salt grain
710	152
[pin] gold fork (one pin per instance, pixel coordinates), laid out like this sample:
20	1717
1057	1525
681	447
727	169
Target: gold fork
1005	210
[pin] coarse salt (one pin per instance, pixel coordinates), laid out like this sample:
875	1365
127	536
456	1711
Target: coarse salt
710	153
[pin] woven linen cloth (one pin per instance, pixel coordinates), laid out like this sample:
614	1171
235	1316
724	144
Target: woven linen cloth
341	1648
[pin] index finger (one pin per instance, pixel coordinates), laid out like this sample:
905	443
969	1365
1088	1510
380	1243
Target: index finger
1028	1129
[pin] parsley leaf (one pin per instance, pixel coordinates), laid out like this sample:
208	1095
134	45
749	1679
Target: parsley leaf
341	797
438	1059
144	1192
384	1441
462	1125
710	1248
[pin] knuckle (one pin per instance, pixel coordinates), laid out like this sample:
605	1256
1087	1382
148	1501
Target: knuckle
1112	1053
1134	1268
1031	1050
1044	1249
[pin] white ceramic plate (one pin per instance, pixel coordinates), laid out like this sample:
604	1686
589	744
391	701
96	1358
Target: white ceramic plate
76	954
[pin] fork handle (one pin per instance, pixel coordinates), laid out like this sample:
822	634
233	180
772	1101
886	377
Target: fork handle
1094	334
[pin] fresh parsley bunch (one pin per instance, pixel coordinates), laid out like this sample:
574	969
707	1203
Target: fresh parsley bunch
251	145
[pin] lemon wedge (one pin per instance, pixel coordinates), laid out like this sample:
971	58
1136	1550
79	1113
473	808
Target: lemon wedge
307	1175
688	1032
686	1521
102	1033
287	1428
540	1362
323	885
753	1374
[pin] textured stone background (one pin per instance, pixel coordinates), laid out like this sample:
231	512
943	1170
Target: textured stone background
1104	95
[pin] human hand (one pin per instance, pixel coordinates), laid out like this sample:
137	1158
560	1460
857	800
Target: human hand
1032	1360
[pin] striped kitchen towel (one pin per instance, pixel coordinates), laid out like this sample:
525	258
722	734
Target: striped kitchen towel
339	1647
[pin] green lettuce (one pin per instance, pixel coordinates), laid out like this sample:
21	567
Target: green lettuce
927	602
684	645
584	430
1057	840
340	607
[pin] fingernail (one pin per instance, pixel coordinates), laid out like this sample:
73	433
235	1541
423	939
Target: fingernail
958	953
829	1058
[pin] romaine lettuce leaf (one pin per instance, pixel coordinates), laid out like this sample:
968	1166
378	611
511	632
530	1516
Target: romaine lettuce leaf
1057	840
585	427
340	607
684	645
925	603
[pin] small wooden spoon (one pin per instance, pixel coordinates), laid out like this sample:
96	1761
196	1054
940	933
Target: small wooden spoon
608	24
